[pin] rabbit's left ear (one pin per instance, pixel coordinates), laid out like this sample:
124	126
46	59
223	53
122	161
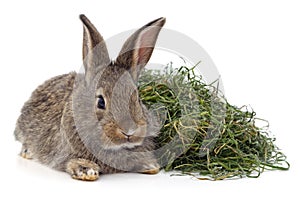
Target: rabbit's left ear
138	48
94	51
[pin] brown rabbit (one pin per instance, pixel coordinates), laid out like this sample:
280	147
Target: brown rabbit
94	122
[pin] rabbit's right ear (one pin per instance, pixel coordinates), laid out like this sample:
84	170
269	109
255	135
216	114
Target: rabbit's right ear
94	51
138	48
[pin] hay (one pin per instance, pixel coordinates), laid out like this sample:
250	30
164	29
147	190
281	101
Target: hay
217	140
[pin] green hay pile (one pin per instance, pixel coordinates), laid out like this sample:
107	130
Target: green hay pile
216	140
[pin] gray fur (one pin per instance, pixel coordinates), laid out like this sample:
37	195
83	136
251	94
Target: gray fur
61	126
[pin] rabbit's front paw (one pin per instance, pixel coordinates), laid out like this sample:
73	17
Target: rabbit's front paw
152	168
83	169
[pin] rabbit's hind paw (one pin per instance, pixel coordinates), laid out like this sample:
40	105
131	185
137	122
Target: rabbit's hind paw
25	153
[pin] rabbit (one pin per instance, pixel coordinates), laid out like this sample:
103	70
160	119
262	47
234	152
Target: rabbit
93	123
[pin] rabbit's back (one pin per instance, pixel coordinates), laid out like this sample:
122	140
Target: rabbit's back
38	127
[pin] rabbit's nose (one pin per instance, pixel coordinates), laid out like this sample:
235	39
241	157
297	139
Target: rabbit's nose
127	136
129	133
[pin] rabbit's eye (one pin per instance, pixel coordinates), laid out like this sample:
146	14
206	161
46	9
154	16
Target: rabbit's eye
101	102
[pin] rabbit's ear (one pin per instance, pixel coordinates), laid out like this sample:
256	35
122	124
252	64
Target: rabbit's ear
138	48
94	51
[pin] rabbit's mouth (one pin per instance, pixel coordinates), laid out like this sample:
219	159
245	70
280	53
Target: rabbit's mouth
120	138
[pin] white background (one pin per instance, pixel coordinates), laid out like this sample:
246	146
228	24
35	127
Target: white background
254	44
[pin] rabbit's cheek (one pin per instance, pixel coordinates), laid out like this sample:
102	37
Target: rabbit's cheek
99	114
141	131
114	134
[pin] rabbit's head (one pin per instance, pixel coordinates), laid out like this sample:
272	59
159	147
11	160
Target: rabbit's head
123	118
